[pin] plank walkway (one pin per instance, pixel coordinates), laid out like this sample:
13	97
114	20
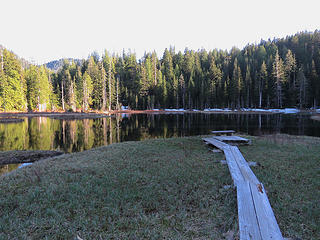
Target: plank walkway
256	218
223	132
232	139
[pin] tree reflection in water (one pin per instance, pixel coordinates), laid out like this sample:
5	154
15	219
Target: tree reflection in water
41	133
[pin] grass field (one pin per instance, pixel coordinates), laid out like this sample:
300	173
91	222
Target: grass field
158	189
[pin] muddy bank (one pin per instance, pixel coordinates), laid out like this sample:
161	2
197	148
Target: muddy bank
13	157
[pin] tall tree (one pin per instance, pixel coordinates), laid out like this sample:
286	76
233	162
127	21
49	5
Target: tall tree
278	74
263	78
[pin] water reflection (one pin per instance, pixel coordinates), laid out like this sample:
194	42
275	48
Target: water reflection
43	133
8	168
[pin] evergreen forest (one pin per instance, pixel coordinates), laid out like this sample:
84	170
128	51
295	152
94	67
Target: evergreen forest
275	73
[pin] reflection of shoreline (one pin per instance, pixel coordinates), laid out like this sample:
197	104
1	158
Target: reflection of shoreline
11	120
4	169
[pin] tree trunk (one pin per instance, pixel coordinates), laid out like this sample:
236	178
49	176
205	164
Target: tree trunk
62	96
110	91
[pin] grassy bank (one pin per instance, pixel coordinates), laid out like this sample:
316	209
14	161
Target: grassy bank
158	189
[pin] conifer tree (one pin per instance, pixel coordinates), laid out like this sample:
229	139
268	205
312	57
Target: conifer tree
302	86
278	74
314	86
263	78
13	85
87	91
290	78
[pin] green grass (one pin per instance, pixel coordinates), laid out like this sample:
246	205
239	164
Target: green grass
290	171
154	189
158	189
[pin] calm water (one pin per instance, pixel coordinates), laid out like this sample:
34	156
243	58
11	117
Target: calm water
43	133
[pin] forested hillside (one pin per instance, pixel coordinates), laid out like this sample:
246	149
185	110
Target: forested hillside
273	74
57	64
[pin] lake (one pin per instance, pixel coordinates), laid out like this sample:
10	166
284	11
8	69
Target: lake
43	133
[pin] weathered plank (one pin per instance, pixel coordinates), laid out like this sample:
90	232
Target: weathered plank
248	223
225	132
232	139
235	172
216	143
256	218
268	225
243	166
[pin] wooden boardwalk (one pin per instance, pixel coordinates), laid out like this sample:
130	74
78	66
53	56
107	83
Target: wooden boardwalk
256	218
232	139
223	132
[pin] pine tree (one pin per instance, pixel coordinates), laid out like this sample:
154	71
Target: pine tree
44	89
215	77
290	79
87	91
302	86
95	75
71	96
278	74
13	89
263	78
247	87
104	86
182	86
33	87
314	86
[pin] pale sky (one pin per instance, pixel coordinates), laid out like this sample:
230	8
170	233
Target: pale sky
42	30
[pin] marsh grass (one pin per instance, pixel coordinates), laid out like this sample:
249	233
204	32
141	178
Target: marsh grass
158	189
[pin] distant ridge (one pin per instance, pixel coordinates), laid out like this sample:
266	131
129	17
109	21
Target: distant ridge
57	64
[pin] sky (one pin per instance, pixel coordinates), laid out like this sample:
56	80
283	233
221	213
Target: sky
43	30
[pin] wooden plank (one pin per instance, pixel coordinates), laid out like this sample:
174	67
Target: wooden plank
233	167
248	223
231	139
243	166
225	132
268	225
256	218
216	143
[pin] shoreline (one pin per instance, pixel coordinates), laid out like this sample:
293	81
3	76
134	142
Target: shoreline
26	156
8	117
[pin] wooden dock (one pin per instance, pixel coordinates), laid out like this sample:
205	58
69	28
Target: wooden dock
256	218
